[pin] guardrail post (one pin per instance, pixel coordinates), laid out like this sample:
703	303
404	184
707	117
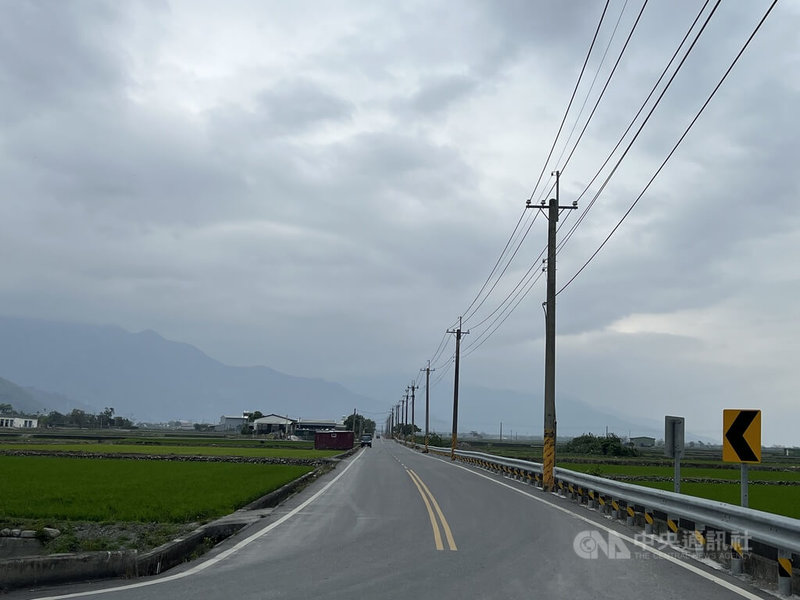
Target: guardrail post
603	505
699	539
615	509
737	553
784	572
672	524
591	502
648	521
631	515
560	488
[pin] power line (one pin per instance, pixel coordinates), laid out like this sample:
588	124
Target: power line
517	295
605	87
499	259
591	86
569	234
508	264
678	143
572	98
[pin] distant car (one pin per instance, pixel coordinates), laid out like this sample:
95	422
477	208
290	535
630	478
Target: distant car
377	436
366	440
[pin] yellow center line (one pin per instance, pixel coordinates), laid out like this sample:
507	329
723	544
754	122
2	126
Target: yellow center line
448	534
437	536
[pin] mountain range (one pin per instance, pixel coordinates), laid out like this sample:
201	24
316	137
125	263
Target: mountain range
148	378
50	365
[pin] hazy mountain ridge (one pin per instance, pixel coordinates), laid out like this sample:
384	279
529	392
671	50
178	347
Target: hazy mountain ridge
20	399
151	378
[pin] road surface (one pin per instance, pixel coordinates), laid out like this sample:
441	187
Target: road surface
393	523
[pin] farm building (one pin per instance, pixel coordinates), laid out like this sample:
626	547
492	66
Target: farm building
282	426
643	441
19	422
333	440
231	423
306	428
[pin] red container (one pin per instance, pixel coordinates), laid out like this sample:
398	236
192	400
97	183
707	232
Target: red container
333	440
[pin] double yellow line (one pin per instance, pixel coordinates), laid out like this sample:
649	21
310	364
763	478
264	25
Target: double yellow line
431	505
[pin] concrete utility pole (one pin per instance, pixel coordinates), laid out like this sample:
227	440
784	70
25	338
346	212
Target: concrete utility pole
427	401
454	440
413	418
354	421
405	419
549	450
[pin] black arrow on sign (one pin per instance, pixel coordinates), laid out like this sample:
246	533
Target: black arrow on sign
735	435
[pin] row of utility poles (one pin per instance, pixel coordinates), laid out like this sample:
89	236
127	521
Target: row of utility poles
551	210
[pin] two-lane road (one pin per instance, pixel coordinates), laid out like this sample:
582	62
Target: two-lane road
393	523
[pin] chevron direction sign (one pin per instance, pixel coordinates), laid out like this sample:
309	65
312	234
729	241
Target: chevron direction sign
741	436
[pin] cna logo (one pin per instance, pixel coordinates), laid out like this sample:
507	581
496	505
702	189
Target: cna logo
590	544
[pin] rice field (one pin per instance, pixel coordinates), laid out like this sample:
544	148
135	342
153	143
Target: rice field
43	487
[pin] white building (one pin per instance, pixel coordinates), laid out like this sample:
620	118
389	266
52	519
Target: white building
19	422
231	423
274	424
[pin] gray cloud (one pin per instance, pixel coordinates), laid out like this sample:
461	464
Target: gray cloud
324	191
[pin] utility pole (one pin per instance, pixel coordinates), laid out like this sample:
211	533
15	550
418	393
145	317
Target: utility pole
549	450
427	401
405	419
413	418
454	440
354	421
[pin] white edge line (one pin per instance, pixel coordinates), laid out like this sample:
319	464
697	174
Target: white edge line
709	576
219	557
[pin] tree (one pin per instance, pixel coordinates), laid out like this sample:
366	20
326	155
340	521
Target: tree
610	445
405	430
6	409
363	424
77	417
255	415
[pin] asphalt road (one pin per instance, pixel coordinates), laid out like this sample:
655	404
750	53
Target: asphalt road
393	523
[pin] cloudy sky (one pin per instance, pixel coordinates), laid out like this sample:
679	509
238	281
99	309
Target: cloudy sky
324	188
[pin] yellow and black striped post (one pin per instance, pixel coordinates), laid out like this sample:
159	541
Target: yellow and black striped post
631	519
699	539
549	460
648	521
784	572
592	502
737	554
615	509
672	525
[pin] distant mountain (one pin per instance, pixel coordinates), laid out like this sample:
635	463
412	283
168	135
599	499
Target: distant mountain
150	378
19	399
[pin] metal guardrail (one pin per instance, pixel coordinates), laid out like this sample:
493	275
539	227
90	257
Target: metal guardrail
776	531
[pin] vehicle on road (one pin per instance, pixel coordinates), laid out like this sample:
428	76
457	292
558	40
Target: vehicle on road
366	440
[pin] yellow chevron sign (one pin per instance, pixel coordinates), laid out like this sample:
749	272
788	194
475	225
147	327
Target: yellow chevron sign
741	436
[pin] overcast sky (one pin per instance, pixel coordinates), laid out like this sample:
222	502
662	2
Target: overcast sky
323	188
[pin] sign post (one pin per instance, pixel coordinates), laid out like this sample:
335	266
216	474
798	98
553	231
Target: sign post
741	442
673	446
